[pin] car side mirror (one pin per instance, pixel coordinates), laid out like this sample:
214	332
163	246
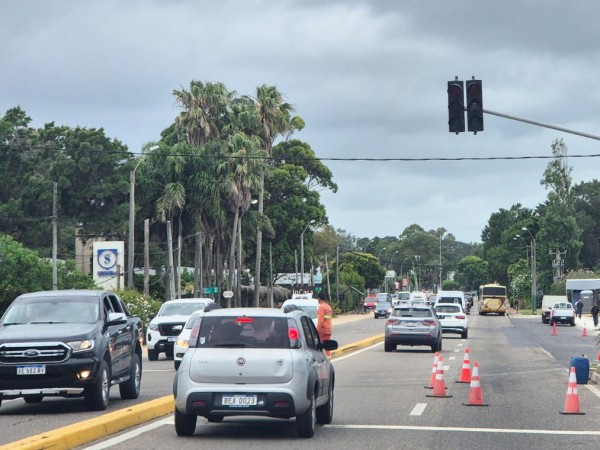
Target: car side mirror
329	344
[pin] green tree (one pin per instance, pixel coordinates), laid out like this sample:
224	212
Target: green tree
472	272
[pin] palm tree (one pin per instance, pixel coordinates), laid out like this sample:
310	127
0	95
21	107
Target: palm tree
273	120
241	171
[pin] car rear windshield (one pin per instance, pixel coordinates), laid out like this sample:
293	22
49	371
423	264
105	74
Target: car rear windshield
412	312
310	310
254	332
447	309
449	300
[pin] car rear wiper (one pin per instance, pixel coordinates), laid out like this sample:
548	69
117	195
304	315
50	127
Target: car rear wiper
237	345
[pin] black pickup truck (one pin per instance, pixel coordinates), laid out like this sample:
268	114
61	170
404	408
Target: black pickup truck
70	343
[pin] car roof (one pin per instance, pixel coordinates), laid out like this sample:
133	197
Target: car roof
190	300
298	301
66	293
250	311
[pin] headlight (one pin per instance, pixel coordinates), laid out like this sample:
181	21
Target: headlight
81	346
153	327
182	342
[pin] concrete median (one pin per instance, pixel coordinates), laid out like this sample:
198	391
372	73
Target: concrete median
107	424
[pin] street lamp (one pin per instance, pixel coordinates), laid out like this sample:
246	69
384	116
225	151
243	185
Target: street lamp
526	246
392	259
380	252
302	253
533	272
441	236
131	245
417	260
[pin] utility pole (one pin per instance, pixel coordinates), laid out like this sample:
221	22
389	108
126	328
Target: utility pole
55	237
171	274
146	256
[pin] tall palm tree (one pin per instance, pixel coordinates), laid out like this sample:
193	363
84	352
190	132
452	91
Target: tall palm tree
273	120
241	170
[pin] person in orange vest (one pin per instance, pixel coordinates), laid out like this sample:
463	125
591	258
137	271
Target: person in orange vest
324	316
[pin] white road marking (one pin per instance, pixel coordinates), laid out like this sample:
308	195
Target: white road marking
358	352
116	441
593	389
418	409
452	358
547	353
456	350
466	429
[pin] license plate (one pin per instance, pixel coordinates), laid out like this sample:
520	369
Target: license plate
239	400
172	339
410	324
39	369
562	318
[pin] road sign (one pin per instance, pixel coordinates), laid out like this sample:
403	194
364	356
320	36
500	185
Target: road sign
211	290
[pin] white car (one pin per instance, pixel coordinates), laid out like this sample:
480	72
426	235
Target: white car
309	306
183	340
452	318
165	326
255	362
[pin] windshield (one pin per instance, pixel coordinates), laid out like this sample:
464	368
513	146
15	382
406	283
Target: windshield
447	309
180	309
412	312
52	311
384	305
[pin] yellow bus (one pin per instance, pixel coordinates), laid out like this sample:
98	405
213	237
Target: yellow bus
492	299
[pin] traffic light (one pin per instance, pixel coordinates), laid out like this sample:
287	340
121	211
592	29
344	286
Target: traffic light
456	106
474	106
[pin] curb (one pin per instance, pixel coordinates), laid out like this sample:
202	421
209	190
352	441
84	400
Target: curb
100	427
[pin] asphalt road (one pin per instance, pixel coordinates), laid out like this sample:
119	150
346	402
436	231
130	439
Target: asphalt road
381	402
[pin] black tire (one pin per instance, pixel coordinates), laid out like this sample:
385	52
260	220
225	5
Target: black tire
176	364
572	322
152	355
185	424
388	347
33	398
169	353
130	389
307	421
325	412
465	334
97	396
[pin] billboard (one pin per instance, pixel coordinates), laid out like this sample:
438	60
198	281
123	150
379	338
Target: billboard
109	260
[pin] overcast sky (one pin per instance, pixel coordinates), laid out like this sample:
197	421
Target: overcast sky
368	77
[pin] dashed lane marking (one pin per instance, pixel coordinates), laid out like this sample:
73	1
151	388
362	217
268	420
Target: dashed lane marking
418	409
467	430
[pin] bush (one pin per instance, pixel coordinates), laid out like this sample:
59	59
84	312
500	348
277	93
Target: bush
139	304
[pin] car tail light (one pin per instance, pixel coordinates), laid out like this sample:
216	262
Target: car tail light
429	322
244	319
293	334
392	322
460	316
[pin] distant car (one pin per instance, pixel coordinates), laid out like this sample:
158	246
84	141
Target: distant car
165	326
309	305
384	297
182	342
413	325
402	298
369	303
382	309
255	362
453	319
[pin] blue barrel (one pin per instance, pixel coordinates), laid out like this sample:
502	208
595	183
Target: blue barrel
582	369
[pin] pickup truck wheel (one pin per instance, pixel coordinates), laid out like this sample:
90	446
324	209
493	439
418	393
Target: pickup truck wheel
307	421
185	424
573	322
33	398
97	396
130	389
152	355
169	353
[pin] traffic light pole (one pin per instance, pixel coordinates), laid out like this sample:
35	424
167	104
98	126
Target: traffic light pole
541	124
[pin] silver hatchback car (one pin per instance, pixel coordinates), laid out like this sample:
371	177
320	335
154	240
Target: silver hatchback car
413	325
255	362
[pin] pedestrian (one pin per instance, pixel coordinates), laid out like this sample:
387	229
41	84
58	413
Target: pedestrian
579	308
595	311
324	316
517	303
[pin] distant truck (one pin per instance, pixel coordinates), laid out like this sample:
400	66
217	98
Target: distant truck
547	302
562	312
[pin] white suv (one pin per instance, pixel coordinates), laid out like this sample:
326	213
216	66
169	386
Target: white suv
166	325
453	319
255	362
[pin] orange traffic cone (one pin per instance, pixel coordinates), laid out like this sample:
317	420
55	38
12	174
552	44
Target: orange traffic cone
572	400
465	373
584	332
439	388
475	393
553	328
433	371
